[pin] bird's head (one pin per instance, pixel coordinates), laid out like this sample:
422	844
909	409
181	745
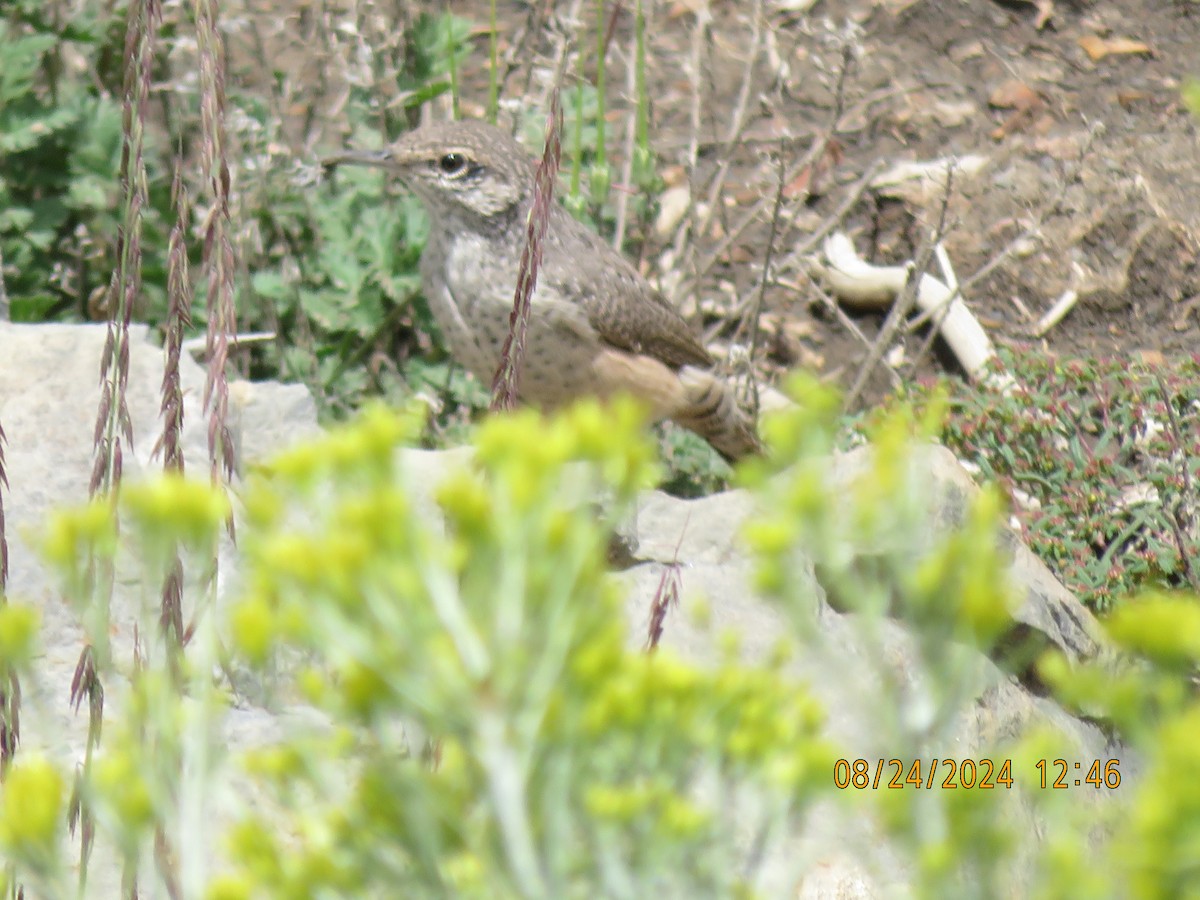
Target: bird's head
464	169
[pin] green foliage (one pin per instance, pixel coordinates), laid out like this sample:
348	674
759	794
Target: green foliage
490	733
438	45
694	469
866	530
867	535
589	194
347	295
1111	470
1150	696
1165	629
19	627
334	274
60	152
31	816
562	757
1165	827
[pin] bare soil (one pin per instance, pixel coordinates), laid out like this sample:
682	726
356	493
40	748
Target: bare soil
1091	182
1085	172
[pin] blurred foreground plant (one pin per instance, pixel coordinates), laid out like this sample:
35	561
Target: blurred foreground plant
504	739
477	724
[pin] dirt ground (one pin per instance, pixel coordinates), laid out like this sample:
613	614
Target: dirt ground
1078	164
1085	172
1090	170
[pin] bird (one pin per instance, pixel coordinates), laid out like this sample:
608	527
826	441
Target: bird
596	326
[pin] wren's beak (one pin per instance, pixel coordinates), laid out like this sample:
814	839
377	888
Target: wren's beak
358	158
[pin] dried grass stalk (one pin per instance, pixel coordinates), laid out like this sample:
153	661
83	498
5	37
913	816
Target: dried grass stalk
113	424
114	429
666	597
3	537
179	299
179	304
218	265
507	381
10	692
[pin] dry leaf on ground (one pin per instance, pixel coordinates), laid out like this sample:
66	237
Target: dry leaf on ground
1097	47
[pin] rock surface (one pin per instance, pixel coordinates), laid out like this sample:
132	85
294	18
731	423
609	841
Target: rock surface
48	402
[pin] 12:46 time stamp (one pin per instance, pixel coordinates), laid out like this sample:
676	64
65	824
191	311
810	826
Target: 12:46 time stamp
982	774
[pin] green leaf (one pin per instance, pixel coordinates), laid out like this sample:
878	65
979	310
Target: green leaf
270	284
421	95
31	307
48	216
367	313
90	192
20	60
325	308
98	151
23	132
15	218
1190	94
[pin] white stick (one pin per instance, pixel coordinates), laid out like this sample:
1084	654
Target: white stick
857	282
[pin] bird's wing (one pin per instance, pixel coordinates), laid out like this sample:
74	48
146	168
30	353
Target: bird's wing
622	307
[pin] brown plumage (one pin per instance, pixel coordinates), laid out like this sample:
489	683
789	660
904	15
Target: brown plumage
596	326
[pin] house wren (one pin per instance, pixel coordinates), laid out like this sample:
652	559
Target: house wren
595	326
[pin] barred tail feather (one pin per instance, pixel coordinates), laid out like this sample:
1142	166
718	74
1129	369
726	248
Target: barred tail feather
712	411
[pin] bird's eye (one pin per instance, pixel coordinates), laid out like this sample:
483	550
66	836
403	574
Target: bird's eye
453	164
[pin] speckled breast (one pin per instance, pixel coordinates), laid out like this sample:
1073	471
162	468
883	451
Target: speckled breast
472	304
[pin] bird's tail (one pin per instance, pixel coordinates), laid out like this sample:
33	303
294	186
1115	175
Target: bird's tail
712	411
